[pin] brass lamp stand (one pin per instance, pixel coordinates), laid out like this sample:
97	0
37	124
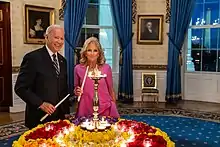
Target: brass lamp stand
96	77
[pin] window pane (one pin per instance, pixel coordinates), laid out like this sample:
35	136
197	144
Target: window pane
81	38
218	49
211	12
204	42
206	13
92	32
86	33
203	49
92	14
105	2
98	22
204	60
99	14
105	15
94	1
108	55
106	39
198	18
194	50
199	1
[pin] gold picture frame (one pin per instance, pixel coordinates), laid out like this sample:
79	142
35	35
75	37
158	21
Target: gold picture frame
37	19
1	15
149	80
150	29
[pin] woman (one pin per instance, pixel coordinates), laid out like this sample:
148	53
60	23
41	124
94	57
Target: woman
37	30
92	55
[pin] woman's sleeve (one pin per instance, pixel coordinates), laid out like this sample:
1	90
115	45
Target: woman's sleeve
109	81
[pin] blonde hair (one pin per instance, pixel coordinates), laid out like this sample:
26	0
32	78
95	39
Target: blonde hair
101	59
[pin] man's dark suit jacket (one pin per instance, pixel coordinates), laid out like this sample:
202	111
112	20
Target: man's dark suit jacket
37	82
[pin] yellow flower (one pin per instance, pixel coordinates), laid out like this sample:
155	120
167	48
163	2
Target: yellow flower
80	137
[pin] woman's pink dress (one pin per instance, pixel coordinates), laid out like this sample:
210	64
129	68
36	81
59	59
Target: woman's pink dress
106	105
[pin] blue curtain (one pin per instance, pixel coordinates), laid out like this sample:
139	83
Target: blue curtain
181	13
122	14
74	14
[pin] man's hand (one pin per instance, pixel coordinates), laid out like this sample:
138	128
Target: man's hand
48	108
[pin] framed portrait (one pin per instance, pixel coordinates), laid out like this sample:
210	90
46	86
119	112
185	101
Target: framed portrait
37	19
149	81
150	29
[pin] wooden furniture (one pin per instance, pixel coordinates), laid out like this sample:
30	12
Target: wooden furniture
149	86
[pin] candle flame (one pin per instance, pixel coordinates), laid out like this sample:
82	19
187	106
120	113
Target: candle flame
48	128
147	144
43	145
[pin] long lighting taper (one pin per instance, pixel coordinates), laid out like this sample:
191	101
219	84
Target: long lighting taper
83	83
45	116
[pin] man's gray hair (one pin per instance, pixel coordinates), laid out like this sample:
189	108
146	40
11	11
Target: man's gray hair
51	27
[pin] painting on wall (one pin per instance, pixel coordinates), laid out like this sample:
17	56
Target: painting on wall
37	19
150	29
149	80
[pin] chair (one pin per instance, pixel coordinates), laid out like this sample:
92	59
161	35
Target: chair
149	86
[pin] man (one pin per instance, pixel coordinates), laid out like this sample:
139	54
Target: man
149	33
42	80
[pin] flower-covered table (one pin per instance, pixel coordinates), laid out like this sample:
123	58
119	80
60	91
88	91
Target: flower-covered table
122	132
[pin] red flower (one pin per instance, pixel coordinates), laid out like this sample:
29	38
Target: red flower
137	127
46	134
141	131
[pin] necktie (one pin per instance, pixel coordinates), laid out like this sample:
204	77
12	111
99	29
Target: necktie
55	64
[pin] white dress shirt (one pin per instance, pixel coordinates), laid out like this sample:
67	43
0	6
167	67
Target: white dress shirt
51	55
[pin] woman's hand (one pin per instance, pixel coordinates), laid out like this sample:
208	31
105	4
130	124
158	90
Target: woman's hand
78	91
112	93
114	100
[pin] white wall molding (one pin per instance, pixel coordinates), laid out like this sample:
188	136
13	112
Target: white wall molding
202	87
18	104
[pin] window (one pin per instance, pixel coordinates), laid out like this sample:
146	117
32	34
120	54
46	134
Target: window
99	23
203	50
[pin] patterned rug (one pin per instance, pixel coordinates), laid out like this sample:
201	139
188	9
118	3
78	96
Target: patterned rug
183	126
9	130
185	132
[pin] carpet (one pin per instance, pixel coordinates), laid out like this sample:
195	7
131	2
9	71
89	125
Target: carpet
185	132
12	129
